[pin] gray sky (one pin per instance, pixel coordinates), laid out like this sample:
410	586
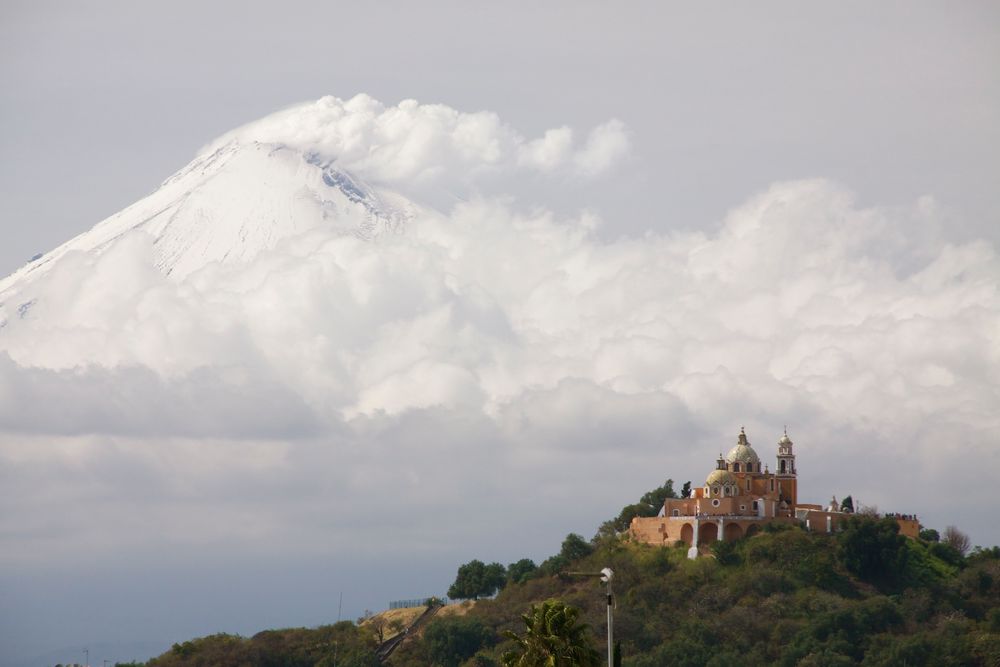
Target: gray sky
131	531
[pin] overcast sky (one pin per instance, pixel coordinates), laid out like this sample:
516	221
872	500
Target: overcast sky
799	225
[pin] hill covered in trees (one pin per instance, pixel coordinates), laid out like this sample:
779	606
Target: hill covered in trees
786	596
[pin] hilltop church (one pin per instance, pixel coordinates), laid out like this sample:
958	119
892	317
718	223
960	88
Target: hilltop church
740	497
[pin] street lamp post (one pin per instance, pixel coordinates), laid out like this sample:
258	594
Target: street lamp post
606	575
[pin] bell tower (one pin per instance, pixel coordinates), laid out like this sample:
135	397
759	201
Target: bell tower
785	472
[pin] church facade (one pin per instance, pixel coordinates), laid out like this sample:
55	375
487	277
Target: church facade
739	497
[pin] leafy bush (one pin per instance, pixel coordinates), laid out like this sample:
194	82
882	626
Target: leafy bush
451	640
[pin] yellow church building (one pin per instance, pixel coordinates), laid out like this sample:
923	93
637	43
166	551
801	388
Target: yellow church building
739	497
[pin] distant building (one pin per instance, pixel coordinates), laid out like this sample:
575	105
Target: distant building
740	497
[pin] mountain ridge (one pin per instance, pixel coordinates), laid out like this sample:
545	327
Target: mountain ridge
232	203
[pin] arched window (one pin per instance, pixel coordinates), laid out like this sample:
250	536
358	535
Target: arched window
676	513
754	506
715	490
782	466
736	467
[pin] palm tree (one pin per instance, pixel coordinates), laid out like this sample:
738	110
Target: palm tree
552	638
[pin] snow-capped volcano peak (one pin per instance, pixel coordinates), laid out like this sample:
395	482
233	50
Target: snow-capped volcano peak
234	201
333	163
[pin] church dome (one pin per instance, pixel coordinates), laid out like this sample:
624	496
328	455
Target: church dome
721	477
743	452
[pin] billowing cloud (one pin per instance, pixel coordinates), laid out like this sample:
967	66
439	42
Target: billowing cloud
802	307
412	143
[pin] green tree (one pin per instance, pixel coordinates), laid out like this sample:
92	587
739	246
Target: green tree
521	571
945	552
874	550
553	637
929	535
686	490
476	579
452	640
847	505
726	553
574	547
649	505
653	500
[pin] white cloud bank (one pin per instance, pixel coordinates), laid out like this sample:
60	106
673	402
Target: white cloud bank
428	143
427	392
802	308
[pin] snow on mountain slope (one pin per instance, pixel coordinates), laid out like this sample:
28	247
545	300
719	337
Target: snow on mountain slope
233	202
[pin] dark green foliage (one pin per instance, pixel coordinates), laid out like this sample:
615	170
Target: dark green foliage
847	505
873	550
296	647
475	579
945	552
929	535
453	639
553	636
574	548
649	505
726	553
890	651
782	597
654	499
521	571
481	660
553	565
979	554
686	490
